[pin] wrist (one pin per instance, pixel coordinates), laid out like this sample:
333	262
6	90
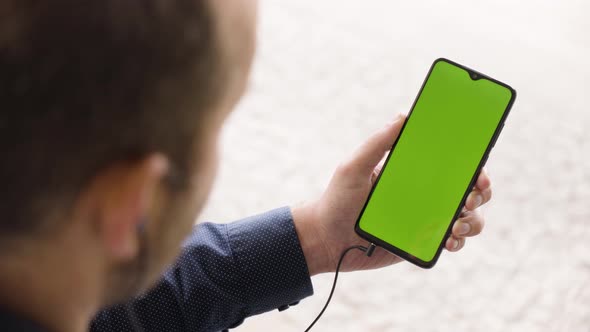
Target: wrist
310	240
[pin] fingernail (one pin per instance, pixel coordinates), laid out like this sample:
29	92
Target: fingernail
478	200
463	228
455	244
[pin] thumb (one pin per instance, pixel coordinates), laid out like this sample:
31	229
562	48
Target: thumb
370	153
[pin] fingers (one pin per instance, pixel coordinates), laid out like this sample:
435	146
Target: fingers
483	181
470	224
482	192
454	244
372	151
477	198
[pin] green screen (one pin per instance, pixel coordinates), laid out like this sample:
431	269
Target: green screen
436	156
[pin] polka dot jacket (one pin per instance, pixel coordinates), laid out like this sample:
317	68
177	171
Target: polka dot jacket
225	273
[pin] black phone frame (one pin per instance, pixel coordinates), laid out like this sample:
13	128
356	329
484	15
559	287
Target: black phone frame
475	75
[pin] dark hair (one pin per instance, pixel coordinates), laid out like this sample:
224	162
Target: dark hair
87	83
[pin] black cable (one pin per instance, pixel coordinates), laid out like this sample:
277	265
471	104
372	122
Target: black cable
368	251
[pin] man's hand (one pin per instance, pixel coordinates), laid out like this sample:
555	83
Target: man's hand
326	226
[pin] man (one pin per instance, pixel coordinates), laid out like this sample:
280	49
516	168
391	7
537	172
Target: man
110	117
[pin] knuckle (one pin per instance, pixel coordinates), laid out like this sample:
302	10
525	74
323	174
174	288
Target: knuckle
477	225
344	169
476	230
486	195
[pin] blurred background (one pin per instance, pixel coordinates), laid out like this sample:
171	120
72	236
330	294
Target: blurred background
329	73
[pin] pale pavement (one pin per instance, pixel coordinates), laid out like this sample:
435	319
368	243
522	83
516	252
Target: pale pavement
329	73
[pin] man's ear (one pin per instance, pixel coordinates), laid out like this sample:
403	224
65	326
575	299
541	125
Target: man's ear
121	197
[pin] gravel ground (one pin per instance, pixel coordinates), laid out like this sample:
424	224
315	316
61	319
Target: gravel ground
328	73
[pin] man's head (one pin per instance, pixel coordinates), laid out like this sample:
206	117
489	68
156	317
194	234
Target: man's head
109	117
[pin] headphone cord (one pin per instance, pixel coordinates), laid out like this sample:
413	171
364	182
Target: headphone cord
367	250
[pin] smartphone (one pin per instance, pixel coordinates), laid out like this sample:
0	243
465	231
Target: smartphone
434	162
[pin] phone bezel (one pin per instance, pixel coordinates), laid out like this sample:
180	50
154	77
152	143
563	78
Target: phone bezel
397	251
